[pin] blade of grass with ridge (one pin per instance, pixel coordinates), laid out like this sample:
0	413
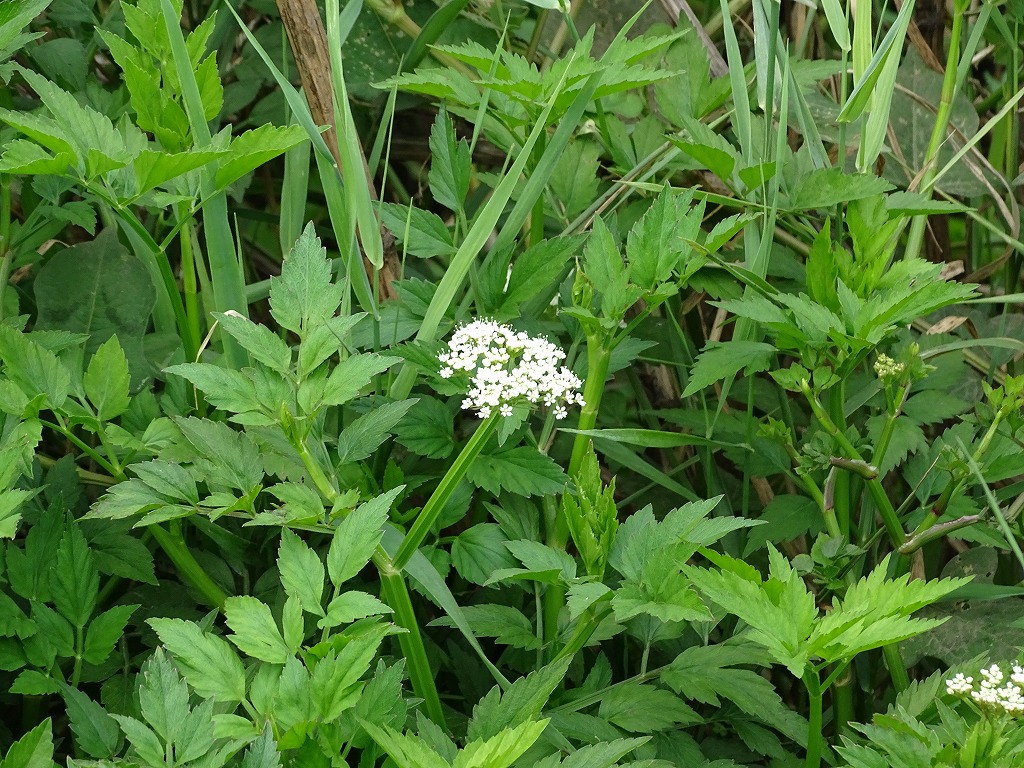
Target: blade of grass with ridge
330	176
226	273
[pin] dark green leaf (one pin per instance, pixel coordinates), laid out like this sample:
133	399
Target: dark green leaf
95	731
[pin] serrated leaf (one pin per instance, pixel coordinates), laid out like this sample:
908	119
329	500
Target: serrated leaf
302	572
521	702
33	750
427	429
352	606
208	663
640	708
422	233
96	732
363	436
719	361
255	632
255	147
522	470
828	187
225	456
351	375
74	581
480	551
355	541
163	696
107	380
304	297
224	388
449	164
258	340
104	631
507	625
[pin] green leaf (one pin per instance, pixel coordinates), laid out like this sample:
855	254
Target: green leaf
335	683
208	663
406	750
449	164
640	708
95	731
33	368
303	297
163	696
423	233
302	572
479	551
104	631
255	632
355	541
107	380
427	429
351	375
507	625
255	147
352	606
828	187
258	340
100	289
501	750
224	388
537	270
74	581
520	703
224	456
364	435
522	470
719	361
645	438
35	748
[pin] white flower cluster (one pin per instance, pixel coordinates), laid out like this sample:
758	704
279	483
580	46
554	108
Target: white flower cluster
992	693
507	367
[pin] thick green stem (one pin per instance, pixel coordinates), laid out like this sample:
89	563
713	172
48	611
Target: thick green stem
436	503
814	719
393	587
878	495
897	669
396	595
187	567
598	359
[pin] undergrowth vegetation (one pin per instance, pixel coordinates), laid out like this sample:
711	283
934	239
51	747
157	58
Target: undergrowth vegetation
464	386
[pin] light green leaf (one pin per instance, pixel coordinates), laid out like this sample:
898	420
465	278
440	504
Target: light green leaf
364	435
352	606
208	663
255	147
255	631
258	340
107	380
302	572
719	361
304	297
34	749
351	375
355	541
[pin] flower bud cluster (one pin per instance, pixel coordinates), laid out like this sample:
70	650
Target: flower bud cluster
887	368
994	691
507	367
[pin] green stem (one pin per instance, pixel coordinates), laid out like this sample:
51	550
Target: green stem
915	238
396	595
187	567
436	503
76	672
814	719
393	587
878	495
897	669
598	359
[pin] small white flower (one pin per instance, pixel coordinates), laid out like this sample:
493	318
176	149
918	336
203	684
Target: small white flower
958	684
507	367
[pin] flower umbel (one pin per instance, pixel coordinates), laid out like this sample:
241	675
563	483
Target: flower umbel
991	693
507	367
